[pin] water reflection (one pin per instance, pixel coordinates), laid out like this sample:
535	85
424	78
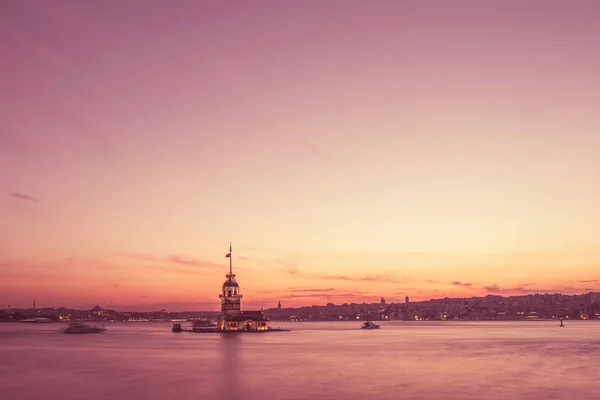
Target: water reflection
408	361
231	364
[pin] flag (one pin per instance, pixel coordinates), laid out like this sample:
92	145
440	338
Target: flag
228	255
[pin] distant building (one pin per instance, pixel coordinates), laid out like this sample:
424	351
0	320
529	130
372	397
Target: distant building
279	304
406	300
97	310
232	318
382	301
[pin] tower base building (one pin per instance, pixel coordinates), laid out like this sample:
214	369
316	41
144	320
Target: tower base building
232	318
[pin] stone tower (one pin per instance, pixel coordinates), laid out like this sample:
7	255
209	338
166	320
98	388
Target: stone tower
230	296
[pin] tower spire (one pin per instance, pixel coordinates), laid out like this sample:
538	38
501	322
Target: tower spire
230	269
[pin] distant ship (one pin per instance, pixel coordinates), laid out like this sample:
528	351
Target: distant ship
83	328
39	320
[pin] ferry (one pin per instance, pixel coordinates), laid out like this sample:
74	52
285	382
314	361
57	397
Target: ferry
38	320
177	327
83	328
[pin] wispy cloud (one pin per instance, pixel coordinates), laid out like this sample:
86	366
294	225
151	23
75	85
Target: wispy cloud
321	295
182	271
173	259
312	290
178	264
463	284
191	263
494	288
142	257
523	289
22	196
366	278
589	281
310	147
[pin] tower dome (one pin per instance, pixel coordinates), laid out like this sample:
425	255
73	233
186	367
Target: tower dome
230	283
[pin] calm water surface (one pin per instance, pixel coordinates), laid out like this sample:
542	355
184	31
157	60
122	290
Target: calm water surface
321	360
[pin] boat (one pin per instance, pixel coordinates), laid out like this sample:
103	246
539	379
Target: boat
83	328
177	327
369	325
202	324
38	320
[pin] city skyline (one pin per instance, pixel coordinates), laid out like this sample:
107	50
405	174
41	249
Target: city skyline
347	152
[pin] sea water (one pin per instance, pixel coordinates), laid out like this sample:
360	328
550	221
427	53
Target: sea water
315	360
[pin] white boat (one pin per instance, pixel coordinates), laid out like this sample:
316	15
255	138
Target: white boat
38	320
369	325
83	328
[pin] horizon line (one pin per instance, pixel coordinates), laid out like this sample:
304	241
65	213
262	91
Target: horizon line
302	306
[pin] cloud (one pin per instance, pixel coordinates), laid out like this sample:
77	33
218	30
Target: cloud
456	283
589	281
522	289
310	147
292	270
181	271
142	257
191	263
493	288
402	291
180	261
22	196
368	278
312	290
321	295
243	258
181	265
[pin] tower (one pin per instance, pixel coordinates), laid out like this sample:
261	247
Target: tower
230	296
279	304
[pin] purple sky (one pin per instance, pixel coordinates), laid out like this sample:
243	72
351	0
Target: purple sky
331	141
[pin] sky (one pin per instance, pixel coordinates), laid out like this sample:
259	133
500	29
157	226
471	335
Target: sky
349	150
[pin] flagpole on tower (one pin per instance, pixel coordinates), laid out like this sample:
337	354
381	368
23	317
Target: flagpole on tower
230	269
